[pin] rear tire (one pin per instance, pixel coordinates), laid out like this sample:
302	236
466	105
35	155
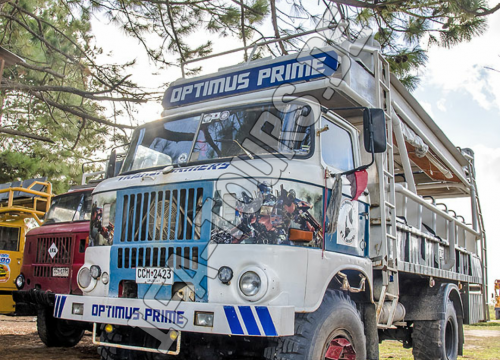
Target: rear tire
336	321
57	332
437	339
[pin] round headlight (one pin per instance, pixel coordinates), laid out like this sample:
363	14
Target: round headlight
225	274
20	281
250	283
84	278
105	278
95	271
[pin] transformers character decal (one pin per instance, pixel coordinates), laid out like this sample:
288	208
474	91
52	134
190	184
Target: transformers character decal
269	214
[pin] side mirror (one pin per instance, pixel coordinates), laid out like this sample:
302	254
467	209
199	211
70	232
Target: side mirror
374	130
110	171
118	166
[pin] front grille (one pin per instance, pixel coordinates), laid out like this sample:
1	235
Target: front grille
63	244
162	215
174	257
42	271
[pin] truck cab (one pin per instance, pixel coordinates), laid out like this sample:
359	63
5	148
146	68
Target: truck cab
19	201
54	253
281	208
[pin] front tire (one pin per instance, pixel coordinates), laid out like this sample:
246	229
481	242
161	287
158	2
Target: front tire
437	339
335	326
57	332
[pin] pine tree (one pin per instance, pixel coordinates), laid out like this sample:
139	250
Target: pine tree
57	94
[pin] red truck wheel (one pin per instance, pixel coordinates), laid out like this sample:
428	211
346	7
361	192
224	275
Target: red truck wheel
57	332
334	331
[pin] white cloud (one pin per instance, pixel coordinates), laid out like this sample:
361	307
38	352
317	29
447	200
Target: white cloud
428	108
488	182
441	104
463	67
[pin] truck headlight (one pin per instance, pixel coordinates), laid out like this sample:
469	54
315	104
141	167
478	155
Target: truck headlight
105	278
250	283
84	278
20	282
95	271
204	319
225	274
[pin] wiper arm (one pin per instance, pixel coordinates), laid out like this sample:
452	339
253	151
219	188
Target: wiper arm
242	148
245	150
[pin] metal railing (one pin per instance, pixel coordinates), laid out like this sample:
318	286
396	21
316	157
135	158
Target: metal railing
27	206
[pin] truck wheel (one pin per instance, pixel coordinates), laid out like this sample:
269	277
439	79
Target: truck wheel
335	327
57	332
437	339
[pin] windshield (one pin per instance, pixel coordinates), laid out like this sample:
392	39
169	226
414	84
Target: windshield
246	130
70	207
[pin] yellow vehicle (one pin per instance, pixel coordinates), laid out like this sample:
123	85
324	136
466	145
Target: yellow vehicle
19	201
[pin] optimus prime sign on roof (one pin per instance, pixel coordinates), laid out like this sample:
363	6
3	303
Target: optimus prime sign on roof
258	78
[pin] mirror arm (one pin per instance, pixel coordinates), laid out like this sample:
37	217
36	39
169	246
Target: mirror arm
372	141
362	167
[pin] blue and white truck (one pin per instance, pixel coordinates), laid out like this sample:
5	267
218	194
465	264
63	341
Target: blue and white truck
285	208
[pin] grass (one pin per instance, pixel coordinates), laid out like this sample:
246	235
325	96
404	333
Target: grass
482	342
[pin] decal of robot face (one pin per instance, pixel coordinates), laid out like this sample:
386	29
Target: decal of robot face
269	214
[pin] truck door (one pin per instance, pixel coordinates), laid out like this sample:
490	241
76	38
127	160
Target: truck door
339	153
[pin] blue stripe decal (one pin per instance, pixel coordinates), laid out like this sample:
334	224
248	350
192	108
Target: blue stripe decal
56	305
61	305
249	320
232	319
266	321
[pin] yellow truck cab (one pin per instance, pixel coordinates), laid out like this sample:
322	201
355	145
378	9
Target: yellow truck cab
29	199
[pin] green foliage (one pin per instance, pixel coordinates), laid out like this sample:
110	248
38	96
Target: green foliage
65	102
56	94
405	29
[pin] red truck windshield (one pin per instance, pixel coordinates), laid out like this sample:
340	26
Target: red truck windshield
70	207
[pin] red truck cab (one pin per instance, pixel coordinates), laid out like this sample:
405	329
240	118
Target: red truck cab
54	252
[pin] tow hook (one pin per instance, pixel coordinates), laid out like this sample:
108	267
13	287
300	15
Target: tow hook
347	287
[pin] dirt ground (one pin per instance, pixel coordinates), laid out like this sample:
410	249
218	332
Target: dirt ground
19	340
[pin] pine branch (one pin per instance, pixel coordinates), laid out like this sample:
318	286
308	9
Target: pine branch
25	134
174	32
247	7
275	27
490	68
42	69
243	35
84	122
8	85
79	113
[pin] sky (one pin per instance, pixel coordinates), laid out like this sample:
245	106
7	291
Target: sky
457	91
463	98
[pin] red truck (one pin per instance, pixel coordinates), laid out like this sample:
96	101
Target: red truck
54	253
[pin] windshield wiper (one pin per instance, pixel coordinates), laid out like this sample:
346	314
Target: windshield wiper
242	148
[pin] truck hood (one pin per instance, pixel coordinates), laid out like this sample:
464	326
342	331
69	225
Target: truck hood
74	227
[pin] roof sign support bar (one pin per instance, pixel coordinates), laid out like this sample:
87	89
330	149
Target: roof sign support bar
254	46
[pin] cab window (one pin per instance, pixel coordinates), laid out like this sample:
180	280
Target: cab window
336	146
9	238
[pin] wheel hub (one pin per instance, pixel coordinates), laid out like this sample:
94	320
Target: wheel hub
340	349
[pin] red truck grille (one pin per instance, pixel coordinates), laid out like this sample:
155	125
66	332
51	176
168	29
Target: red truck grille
54	250
42	271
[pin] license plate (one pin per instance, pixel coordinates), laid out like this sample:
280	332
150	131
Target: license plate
60	272
154	275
